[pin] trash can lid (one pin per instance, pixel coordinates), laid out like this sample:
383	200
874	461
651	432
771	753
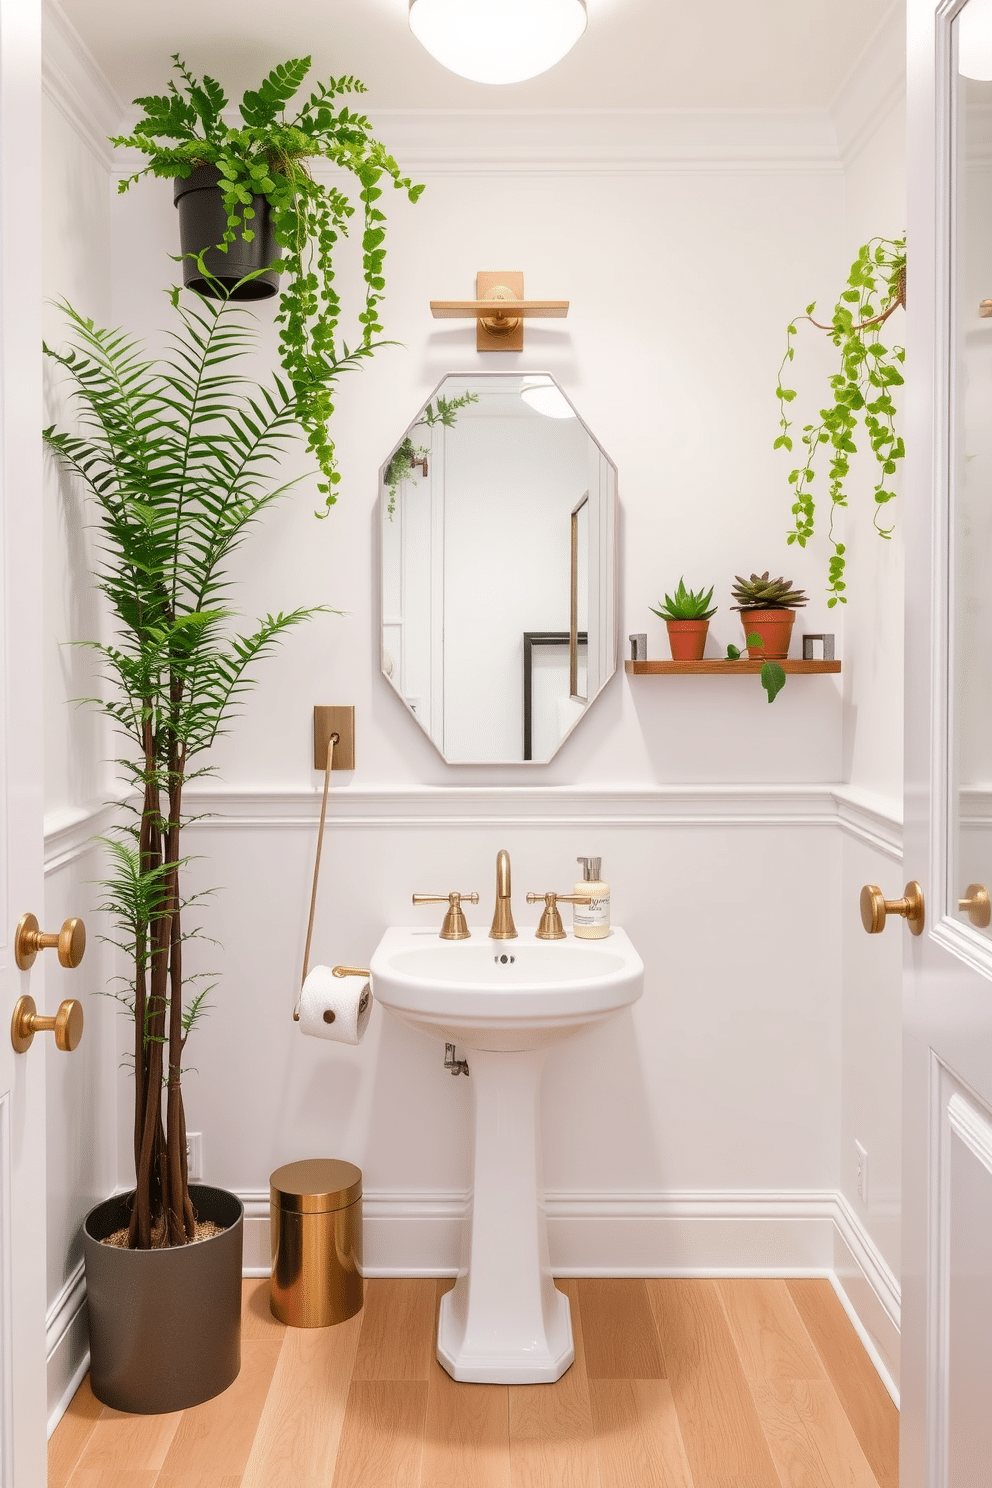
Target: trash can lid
315	1185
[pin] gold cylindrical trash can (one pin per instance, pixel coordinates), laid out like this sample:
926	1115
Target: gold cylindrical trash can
316	1219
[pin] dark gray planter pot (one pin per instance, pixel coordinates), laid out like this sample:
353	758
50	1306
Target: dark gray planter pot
165	1325
202	224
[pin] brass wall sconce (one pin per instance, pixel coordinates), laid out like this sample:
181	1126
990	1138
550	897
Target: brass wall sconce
499	311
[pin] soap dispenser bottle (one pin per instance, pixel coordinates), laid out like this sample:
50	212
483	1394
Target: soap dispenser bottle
591	921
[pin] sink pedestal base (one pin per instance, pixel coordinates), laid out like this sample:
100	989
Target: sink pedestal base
505	1322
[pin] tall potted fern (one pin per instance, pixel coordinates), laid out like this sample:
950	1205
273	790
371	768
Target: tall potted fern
180	457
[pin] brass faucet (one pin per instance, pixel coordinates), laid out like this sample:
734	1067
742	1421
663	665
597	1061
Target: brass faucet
503	927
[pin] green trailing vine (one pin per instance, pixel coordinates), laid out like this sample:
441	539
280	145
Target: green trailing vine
862	388
267	156
407	455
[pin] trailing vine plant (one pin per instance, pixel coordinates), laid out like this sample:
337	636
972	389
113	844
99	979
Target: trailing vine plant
862	387
267	156
408	454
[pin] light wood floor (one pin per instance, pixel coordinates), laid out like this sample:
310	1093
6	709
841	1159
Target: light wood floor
676	1384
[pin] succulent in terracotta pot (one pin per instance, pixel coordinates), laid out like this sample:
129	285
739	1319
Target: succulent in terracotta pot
687	616
767	609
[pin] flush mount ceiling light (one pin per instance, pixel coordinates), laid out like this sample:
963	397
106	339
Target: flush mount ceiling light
544	396
975	40
497	41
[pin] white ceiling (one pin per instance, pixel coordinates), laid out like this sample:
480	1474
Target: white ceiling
635	53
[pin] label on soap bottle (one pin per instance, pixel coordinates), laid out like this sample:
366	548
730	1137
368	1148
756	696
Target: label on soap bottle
597	913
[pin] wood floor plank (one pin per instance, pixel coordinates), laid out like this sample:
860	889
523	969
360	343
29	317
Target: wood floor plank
397	1339
383	1437
558	1412
555	1463
216	1437
867	1404
297	1438
467	1435
257	1320
721	1432
621	1340
114	1477
119	1441
811	1440
198	1480
768	1333
71	1434
638	1441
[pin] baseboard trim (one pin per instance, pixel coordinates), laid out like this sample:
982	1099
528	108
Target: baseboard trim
67	1349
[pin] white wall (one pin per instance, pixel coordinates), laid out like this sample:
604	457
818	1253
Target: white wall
82	1088
708	1128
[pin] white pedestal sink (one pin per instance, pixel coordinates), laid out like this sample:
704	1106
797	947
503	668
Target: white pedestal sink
506	1002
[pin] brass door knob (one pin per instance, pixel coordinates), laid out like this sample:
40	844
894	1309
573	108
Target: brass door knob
67	1025
70	942
875	908
977	905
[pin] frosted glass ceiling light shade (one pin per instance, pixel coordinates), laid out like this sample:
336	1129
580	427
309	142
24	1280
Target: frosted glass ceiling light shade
975	40
497	41
544	396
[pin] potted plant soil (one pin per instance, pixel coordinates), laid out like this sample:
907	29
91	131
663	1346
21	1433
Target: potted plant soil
247	197
687	618
767	609
180	457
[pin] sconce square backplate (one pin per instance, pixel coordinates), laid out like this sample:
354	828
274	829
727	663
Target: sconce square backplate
485	339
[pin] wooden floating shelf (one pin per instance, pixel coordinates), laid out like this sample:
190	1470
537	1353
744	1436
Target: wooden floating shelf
721	668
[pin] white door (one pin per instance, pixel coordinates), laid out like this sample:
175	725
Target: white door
947	1128
22	1088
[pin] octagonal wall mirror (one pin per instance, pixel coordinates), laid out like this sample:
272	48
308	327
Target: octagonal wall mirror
498	518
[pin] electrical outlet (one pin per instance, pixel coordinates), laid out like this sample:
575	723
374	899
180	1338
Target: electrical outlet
194	1156
862	1158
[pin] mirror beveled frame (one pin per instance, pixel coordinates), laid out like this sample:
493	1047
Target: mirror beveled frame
607	644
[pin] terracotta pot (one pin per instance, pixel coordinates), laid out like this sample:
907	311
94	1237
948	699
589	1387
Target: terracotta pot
687	638
775	630
165	1325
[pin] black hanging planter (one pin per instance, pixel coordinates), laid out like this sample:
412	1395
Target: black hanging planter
203	223
165	1325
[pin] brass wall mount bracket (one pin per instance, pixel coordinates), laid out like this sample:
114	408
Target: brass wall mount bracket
341	722
875	908
69	941
67	1025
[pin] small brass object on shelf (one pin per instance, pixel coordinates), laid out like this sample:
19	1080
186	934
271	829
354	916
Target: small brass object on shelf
67	1025
875	908
551	927
977	905
454	926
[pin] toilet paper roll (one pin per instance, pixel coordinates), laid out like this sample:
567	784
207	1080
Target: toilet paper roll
335	1007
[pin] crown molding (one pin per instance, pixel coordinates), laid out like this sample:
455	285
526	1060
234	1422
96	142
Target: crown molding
72	80
608	141
875	85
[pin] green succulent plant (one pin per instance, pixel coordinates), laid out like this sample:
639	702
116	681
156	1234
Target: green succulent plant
685	605
759	592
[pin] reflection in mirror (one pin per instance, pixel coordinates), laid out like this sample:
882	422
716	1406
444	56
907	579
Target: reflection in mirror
498	529
970	848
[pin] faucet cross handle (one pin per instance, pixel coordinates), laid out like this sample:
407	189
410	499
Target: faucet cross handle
551	927
454	925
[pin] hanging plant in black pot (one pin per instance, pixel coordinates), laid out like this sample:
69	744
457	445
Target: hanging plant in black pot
246	197
180	458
